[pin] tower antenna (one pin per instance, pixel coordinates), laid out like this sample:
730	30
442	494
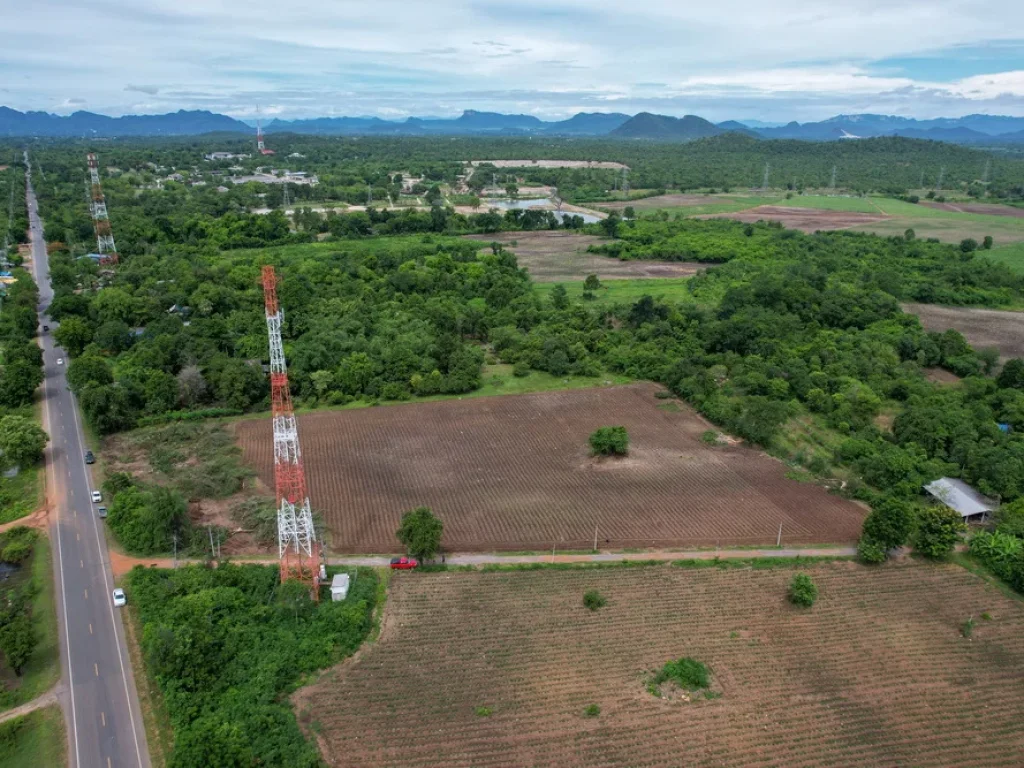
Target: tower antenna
297	547
105	246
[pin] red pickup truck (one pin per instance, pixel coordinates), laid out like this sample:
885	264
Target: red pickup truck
403	563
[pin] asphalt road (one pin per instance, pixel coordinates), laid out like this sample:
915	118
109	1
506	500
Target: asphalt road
104	722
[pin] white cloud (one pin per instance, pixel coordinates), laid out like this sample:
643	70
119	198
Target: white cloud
731	58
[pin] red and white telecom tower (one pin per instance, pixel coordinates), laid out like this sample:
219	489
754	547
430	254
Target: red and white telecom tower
260	145
297	547
101	221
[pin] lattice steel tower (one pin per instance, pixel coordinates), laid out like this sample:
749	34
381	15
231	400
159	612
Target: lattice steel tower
98	208
297	547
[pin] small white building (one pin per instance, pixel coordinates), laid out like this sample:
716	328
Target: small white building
959	496
339	587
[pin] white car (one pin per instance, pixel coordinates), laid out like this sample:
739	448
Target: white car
60	361
97	497
119	598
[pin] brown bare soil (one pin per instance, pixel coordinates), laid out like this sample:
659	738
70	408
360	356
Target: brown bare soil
983	328
940	376
805	219
992	209
513	473
661	201
552	257
876	674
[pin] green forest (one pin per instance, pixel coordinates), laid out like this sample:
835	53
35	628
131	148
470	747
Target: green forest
226	645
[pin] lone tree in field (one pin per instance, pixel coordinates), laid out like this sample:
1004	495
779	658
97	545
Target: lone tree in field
802	591
420	532
609	441
592	283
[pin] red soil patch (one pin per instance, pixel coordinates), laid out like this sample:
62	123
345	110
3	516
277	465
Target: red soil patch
992	209
513	473
805	219
876	674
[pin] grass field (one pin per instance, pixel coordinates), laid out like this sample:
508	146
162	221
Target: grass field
35	740
673	289
946	225
510	669
43	668
514	473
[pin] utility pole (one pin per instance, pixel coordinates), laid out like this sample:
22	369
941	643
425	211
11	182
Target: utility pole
625	181
764	182
942	175
285	201
988	167
832	186
369	195
921	185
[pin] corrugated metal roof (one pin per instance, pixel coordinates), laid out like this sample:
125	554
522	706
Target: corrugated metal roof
958	495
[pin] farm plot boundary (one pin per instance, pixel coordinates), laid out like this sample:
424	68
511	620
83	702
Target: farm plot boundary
513	473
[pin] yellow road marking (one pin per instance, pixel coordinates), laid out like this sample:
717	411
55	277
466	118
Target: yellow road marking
81	563
86	594
103	719
90	629
78	537
96	669
108	763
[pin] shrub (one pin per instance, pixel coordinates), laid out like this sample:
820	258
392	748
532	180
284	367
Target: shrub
16	552
609	441
710	437
420	532
689	674
594	600
591	710
483	711
889	523
938	531
521	369
967	628
870	551
802	590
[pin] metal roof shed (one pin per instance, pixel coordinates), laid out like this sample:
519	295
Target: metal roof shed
959	496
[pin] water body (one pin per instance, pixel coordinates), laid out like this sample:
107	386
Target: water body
506	204
7	570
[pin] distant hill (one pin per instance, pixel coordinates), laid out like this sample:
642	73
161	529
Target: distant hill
974	130
82	124
588	124
665	128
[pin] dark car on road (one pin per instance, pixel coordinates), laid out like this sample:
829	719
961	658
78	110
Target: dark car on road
89	458
403	563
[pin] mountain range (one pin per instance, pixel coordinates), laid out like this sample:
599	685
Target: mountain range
971	129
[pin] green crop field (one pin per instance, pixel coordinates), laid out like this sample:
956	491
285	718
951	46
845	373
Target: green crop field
620	291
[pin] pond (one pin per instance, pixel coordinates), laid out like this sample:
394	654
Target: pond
7	570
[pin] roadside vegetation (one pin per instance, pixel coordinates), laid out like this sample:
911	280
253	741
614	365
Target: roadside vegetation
226	645
21	371
28	620
34	740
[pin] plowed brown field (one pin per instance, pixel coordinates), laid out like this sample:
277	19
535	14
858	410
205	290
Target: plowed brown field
876	674
513	473
805	219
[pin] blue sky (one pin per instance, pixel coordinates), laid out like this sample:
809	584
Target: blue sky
804	60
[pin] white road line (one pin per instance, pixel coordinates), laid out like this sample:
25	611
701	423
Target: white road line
60	551
110	604
64	599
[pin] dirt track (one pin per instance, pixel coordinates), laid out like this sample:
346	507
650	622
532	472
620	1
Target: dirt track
983	328
805	219
552	257
513	473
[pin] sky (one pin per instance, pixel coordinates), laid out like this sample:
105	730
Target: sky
730	59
